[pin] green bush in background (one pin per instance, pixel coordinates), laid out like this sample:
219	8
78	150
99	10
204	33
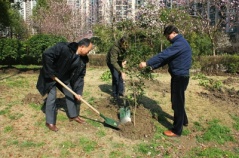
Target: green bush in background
36	45
9	50
14	51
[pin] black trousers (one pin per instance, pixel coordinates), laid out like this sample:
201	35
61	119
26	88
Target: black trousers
178	87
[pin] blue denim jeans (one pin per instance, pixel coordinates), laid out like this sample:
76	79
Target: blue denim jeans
117	82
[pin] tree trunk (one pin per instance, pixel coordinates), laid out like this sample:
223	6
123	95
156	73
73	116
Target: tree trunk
213	49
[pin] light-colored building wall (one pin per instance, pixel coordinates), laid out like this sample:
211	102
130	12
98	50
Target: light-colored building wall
26	8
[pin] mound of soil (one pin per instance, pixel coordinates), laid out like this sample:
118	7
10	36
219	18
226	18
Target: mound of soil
140	127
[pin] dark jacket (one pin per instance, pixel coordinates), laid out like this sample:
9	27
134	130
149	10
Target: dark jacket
178	57
77	77
59	61
116	56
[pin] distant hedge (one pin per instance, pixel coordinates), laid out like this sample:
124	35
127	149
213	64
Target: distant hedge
36	45
13	51
206	64
10	51
217	64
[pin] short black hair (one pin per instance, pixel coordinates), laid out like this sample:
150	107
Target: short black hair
84	42
169	29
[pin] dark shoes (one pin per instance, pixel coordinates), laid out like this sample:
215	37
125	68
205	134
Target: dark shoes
52	127
185	124
169	133
77	119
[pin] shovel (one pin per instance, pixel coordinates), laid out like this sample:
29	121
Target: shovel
124	112
108	121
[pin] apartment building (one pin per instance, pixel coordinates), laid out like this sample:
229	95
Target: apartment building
107	11
26	8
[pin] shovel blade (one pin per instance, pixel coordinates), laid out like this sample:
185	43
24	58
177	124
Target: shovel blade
109	121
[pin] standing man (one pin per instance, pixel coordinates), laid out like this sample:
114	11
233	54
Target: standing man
116	61
67	61
178	57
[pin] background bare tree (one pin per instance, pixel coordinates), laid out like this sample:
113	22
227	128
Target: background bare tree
58	18
214	17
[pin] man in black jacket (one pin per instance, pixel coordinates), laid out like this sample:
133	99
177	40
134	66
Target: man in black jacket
179	58
67	61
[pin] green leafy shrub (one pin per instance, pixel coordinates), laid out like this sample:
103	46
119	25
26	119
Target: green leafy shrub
36	45
232	67
9	50
106	76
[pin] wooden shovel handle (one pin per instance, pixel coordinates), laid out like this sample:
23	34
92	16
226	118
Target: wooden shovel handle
72	92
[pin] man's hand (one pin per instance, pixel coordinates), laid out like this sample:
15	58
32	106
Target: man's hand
53	78
124	64
142	65
123	75
78	97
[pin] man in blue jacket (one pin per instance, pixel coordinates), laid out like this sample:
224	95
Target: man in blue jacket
178	56
67	61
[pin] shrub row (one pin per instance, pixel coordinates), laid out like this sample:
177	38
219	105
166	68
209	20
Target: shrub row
13	51
206	64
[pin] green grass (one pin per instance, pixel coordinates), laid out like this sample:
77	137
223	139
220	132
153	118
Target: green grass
101	133
211	152
236	123
28	67
61	116
118	154
5	111
185	132
197	126
67	145
117	145
29	144
35	106
12	142
150	149
88	145
15	116
86	94
92	122
159	131
212	136
20	82
106	76
91	100
8	129
216	133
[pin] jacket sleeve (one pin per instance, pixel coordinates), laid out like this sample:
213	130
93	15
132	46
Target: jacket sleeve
49	57
164	57
114	59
